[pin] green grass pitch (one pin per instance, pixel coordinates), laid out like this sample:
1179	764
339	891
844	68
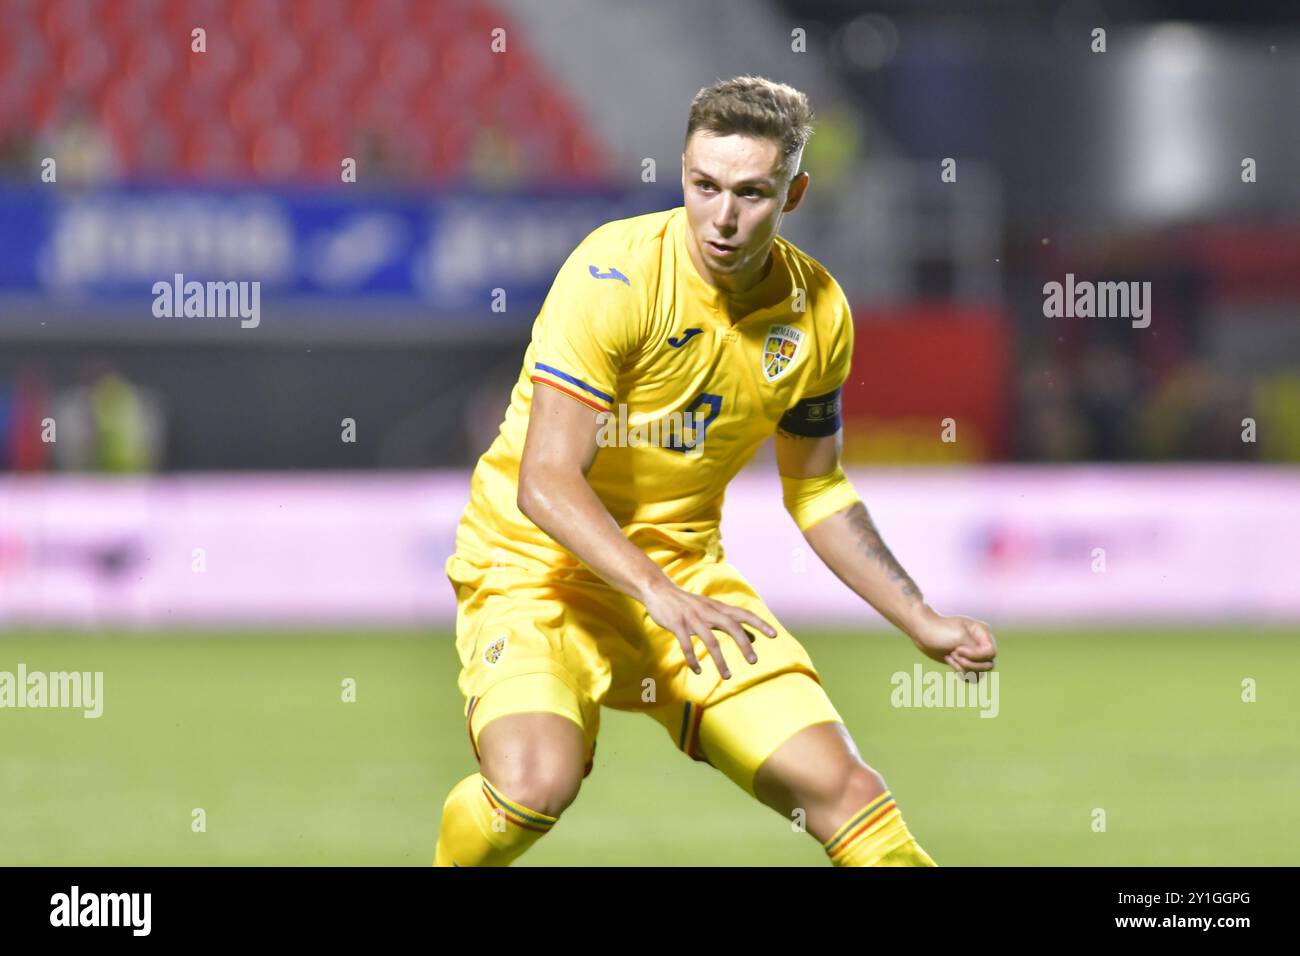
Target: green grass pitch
1148	725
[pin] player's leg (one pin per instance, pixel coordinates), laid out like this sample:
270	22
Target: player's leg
783	742
526	654
534	760
779	721
534	739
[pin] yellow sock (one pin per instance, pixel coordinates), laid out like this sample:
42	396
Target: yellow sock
876	836
482	827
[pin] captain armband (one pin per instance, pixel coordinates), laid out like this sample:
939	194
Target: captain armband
809	500
813	417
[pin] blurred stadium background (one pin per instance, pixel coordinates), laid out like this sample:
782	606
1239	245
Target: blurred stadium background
202	530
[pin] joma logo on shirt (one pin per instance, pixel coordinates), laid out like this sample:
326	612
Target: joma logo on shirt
678	341
611	274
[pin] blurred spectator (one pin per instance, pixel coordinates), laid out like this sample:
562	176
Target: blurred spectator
1051	429
496	158
1196	413
1109	385
17	156
83	153
109	425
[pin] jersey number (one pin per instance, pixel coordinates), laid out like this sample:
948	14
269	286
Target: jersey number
714	405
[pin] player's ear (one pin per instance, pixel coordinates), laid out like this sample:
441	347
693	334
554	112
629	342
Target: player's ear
794	195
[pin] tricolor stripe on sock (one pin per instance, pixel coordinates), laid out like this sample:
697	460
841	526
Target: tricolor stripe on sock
516	813
862	821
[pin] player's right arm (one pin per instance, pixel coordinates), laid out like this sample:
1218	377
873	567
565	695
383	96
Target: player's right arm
559	450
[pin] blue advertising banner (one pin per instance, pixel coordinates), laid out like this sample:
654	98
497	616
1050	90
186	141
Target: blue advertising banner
420	257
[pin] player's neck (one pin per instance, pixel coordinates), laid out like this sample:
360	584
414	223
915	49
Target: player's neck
769	291
737	286
763	273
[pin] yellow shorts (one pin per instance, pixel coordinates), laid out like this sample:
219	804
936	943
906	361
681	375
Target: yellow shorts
572	644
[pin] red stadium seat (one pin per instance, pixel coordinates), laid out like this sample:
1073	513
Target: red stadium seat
340	57
64	19
85	63
309	18
287	87
125	105
215	69
277	59
277	151
151	59
324	147
252	104
251	19
404	61
130	19
380	17
212	150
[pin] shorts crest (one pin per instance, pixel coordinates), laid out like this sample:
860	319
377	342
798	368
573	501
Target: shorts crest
492	653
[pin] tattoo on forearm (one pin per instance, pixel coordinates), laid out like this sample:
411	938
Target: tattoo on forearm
873	546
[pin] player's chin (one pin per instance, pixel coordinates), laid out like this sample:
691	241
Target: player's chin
727	264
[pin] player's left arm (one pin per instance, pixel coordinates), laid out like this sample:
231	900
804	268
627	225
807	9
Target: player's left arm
838	527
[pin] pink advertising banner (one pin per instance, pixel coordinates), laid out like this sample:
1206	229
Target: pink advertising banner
1011	544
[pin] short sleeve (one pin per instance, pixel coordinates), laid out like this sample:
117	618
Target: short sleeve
837	354
587	327
817	412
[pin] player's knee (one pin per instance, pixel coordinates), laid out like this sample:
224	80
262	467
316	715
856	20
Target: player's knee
837	788
843	788
547	786
534	759
859	786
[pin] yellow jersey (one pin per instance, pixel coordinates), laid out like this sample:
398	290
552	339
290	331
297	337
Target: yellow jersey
690	382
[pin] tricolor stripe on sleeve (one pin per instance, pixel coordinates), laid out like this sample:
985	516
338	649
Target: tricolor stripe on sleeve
573	387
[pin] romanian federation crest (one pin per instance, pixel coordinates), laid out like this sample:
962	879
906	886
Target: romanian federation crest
494	650
779	350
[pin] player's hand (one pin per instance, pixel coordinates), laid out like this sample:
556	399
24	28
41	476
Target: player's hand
686	614
963	643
